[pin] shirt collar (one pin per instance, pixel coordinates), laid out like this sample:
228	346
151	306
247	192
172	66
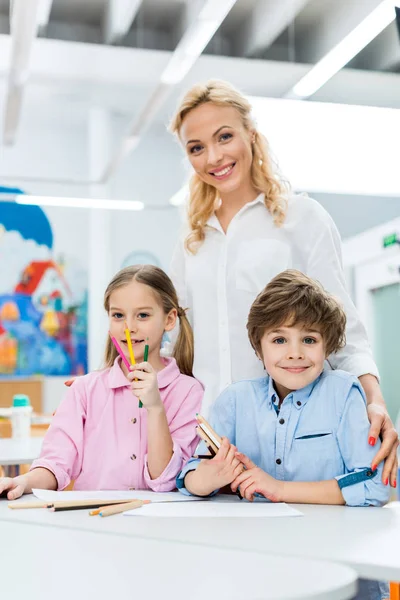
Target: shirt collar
299	397
165	377
214	222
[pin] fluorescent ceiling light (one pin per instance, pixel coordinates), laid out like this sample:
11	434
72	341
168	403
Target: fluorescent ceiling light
180	197
43	14
345	50
196	38
333	148
80	202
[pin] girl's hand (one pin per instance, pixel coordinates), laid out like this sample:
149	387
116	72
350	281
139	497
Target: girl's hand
16	486
146	386
254	479
219	471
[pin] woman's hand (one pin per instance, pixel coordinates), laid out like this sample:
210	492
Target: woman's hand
255	480
146	386
381	424
16	486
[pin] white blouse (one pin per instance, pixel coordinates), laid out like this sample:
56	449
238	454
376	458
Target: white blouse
219	283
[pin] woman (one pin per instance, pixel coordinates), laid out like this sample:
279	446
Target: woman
244	227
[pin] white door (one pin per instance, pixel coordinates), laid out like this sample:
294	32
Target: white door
377	295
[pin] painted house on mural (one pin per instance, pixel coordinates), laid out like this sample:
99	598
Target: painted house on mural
44	282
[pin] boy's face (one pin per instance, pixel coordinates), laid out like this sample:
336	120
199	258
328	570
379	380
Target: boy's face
293	357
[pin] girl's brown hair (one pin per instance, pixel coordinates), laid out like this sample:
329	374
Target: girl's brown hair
291	298
203	197
162	285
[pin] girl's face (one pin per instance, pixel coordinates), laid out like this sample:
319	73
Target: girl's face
138	305
218	146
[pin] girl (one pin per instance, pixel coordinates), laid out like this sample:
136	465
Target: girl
99	437
244	227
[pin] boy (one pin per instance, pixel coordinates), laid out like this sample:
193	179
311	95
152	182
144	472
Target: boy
301	430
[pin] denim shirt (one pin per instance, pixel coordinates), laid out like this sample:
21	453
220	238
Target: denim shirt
319	433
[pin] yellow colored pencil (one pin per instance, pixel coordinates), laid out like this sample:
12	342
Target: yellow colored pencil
129	342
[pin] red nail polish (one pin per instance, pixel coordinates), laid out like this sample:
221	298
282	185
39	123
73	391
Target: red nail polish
371	441
386	481
394	483
374	467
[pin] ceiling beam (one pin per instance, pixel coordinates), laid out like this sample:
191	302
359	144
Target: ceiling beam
118	18
337	20
24	28
265	24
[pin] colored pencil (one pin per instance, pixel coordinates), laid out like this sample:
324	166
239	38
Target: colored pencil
119	350
81	504
37	504
211	438
99	510
145	358
129	342
115	510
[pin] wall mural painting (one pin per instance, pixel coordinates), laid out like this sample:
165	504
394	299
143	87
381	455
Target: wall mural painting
43	298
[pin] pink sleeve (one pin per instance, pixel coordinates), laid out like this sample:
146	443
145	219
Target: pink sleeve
184	437
62	449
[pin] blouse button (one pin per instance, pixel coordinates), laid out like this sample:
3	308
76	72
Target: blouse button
133	457
281	421
298	403
133	420
278	461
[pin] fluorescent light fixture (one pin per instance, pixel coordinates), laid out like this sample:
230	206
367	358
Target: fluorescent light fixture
43	14
195	39
180	197
345	50
333	148
79	202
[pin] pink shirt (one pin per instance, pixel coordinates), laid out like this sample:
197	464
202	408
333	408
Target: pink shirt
98	436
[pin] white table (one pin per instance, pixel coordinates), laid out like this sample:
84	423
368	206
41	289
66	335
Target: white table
19	452
48	562
366	539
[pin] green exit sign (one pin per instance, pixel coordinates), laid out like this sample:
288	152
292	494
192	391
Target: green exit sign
391	240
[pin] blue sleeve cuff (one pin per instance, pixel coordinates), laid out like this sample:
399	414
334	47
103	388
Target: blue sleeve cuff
191	465
354	487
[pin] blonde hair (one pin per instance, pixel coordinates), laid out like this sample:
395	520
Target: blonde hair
291	298
162	285
203	196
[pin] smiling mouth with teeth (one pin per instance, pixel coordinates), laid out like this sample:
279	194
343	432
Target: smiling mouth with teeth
223	171
133	341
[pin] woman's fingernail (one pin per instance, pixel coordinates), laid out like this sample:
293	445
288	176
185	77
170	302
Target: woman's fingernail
386	481
374	467
371	441
394	483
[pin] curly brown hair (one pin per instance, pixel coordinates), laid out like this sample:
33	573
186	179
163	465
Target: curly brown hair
292	298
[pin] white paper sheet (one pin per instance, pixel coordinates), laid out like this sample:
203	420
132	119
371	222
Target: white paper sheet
51	496
220	506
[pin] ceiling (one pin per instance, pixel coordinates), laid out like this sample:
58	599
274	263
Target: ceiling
270	29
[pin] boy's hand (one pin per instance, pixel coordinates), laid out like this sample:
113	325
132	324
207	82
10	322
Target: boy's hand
15	486
216	472
146	386
254	479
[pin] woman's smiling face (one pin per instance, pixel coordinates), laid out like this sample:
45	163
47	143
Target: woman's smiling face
218	146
